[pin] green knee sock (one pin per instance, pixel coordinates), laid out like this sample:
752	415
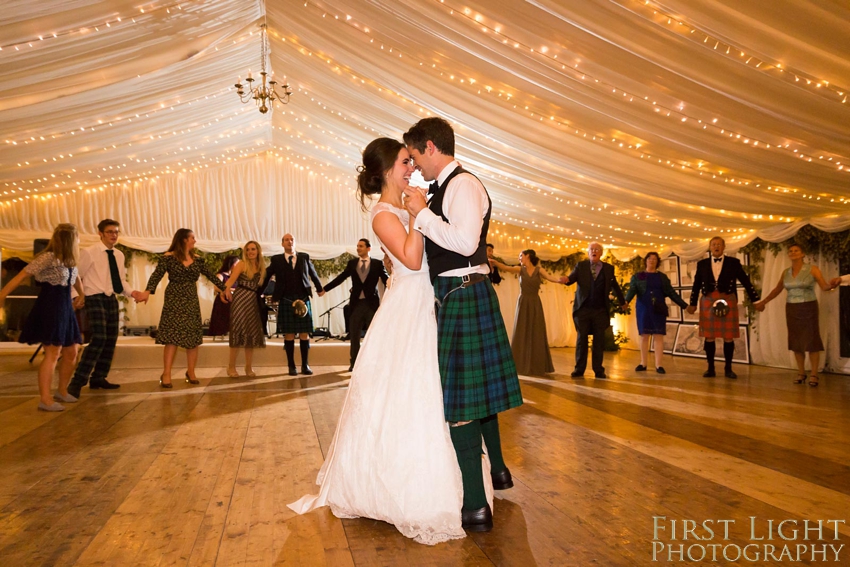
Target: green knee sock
467	442
490	433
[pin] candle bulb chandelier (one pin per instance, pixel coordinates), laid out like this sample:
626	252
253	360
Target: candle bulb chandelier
265	93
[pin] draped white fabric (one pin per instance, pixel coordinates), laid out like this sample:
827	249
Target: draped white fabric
634	123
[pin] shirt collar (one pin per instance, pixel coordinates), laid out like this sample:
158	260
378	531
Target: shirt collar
447	171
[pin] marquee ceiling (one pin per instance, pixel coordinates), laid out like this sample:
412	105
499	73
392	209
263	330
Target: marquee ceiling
637	123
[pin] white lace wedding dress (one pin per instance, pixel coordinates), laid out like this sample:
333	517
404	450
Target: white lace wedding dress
391	457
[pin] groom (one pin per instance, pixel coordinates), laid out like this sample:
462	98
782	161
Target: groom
476	365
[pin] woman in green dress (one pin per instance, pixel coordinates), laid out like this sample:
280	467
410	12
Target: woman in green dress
180	324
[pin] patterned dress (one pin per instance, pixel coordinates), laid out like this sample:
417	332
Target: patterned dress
180	323
246	326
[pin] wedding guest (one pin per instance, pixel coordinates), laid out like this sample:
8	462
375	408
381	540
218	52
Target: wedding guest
801	311
180	324
495	276
529	343
651	287
363	300
220	316
718	308
293	271
596	281
242	293
102	271
51	322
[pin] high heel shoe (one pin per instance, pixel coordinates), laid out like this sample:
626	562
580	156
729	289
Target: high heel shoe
163	384
813	380
800	379
189	379
231	373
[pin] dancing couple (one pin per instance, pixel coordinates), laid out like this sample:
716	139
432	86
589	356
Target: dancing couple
427	387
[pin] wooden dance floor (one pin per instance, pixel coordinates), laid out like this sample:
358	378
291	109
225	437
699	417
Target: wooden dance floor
201	475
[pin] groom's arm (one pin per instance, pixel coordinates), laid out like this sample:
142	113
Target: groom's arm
466	204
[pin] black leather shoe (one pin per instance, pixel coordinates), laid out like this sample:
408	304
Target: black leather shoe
74	390
577	374
640	368
601	375
293	371
480	520
351	368
103	385
709	374
660	370
731	374
306	370
502	480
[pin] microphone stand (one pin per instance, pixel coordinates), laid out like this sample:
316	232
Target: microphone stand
328	322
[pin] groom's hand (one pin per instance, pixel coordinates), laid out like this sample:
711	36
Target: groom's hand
415	201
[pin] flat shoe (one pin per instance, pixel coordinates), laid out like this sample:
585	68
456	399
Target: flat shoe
709	374
660	370
250	374
480	520
67	398
640	368
52	407
232	374
502	480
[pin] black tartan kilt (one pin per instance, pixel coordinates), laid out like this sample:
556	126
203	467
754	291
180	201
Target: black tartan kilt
288	323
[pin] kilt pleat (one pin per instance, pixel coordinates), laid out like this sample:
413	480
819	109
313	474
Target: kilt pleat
713	327
476	363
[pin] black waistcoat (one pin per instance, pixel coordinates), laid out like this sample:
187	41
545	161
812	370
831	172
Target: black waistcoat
598	299
441	260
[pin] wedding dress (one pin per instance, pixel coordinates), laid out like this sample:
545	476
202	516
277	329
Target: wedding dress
391	457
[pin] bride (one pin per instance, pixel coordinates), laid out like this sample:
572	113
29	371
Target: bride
391	457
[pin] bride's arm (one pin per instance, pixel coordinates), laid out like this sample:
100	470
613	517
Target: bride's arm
406	247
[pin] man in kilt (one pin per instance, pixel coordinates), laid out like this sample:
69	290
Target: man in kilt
718	307
101	269
477	368
293	272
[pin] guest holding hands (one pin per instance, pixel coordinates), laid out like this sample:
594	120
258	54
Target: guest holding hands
841	280
529	343
180	324
801	311
651	288
51	321
220	316
596	281
242	293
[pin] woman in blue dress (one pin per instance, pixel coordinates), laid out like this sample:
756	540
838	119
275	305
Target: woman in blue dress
51	322
651	288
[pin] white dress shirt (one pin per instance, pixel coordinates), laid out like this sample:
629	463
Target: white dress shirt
717	267
94	270
465	203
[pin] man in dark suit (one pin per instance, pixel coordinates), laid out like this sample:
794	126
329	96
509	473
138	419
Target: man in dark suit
718	308
495	276
292	272
364	273
596	281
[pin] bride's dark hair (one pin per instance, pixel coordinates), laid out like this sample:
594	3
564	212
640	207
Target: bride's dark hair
378	158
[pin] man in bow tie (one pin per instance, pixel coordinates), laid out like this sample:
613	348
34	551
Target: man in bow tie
101	269
715	278
363	302
596	281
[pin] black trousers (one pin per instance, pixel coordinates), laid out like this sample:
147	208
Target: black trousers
362	312
591	321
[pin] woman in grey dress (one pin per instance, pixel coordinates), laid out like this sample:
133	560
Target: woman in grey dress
529	343
246	326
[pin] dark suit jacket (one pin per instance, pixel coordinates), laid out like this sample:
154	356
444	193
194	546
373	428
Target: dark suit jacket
581	274
732	270
369	287
304	272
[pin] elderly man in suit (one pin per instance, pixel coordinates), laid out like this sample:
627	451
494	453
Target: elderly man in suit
293	272
596	281
364	273
718	308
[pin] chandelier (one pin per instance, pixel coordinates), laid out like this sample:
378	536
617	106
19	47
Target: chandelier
265	93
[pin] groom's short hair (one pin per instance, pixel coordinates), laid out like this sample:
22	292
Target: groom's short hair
436	129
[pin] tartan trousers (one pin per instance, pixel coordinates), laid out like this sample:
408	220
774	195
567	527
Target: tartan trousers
102	312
